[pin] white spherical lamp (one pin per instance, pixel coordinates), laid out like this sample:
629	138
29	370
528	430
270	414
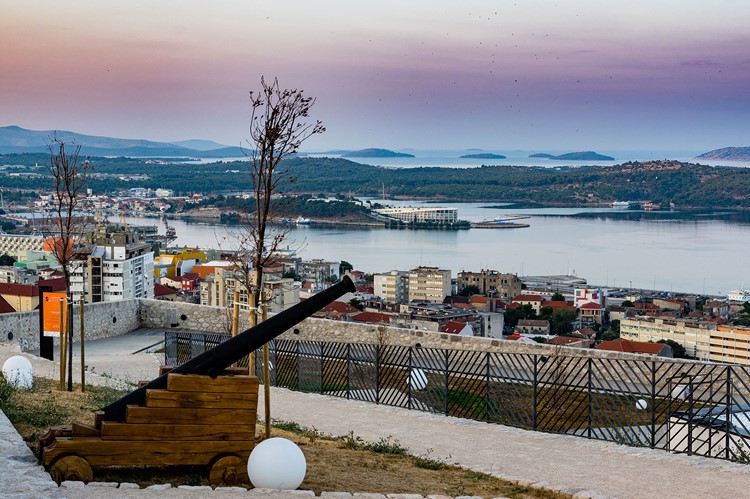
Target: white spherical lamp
17	371
276	463
641	404
417	379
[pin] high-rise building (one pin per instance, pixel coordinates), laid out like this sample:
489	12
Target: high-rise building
117	267
429	284
392	286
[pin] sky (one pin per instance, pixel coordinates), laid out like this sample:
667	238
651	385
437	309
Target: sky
497	75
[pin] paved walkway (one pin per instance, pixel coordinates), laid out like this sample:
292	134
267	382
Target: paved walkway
574	465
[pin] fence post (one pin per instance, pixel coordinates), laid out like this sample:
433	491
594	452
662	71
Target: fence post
322	364
487	387
588	383
408	380
348	370
378	361
653	405
728	415
534	387
447	360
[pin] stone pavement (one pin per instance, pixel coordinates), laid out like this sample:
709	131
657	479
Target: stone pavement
578	466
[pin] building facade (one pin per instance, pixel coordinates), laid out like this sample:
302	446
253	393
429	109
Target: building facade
695	336
392	286
429	284
490	283
118	267
407	214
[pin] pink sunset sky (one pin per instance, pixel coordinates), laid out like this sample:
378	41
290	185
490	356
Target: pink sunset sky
542	75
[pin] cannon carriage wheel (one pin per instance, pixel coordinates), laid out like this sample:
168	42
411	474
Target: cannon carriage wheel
71	467
228	469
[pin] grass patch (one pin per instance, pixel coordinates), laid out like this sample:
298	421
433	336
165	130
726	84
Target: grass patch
345	464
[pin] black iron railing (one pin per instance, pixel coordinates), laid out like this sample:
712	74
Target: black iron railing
696	408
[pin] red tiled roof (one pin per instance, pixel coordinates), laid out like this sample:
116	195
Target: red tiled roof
527	298
161	290
453	327
479	299
590	306
364	289
191	276
340	308
371	317
5	307
513	337
623	345
18	289
586	331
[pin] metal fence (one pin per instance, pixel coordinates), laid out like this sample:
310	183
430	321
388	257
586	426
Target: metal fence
695	408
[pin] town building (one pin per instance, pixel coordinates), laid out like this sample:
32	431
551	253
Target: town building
695	336
739	295
533	327
407	214
730	344
582	296
429	284
640	347
392	286
490	282
217	290
535	301
175	263
16	245
117	267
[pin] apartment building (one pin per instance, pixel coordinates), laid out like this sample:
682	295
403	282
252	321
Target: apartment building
217	290
429	284
392	286
410	214
490	283
730	344
117	267
695	336
16	245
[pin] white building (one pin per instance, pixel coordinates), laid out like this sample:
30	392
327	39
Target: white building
164	193
392	286
581	296
118	267
17	245
421	215
739	295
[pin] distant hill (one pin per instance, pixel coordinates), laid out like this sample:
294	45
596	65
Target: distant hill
14	139
575	156
728	153
376	153
200	144
483	155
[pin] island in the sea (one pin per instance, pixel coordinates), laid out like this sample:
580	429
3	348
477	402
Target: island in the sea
376	153
575	156
482	155
728	153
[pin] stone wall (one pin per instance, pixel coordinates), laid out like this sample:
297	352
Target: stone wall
101	320
168	314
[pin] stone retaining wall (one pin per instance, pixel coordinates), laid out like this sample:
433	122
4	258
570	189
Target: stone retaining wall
102	320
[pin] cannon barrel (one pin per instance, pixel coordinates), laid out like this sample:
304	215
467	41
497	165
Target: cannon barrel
227	353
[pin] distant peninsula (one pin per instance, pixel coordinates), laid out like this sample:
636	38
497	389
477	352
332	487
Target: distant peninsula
376	153
575	156
483	155
728	153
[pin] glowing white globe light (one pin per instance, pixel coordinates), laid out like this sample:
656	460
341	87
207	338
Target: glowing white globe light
276	463
17	370
641	404
417	379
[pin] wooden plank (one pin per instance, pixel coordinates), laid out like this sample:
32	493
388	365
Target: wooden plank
165	369
170	415
201	383
204	400
84	430
100	452
187	432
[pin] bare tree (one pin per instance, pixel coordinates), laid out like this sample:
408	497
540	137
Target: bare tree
69	175
278	126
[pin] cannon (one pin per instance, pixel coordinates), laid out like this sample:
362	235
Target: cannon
202	412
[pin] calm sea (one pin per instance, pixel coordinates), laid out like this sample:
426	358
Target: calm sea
701	252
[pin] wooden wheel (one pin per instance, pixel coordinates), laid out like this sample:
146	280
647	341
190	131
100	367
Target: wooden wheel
228	469
71	468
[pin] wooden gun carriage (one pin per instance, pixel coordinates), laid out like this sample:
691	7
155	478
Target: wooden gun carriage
200	413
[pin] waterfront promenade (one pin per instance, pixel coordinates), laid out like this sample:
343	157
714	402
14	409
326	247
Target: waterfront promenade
581	467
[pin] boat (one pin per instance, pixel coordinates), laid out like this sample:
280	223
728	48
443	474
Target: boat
500	223
302	221
621	204
651	206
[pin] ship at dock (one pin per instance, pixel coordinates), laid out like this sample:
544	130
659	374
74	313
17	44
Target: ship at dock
501	223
